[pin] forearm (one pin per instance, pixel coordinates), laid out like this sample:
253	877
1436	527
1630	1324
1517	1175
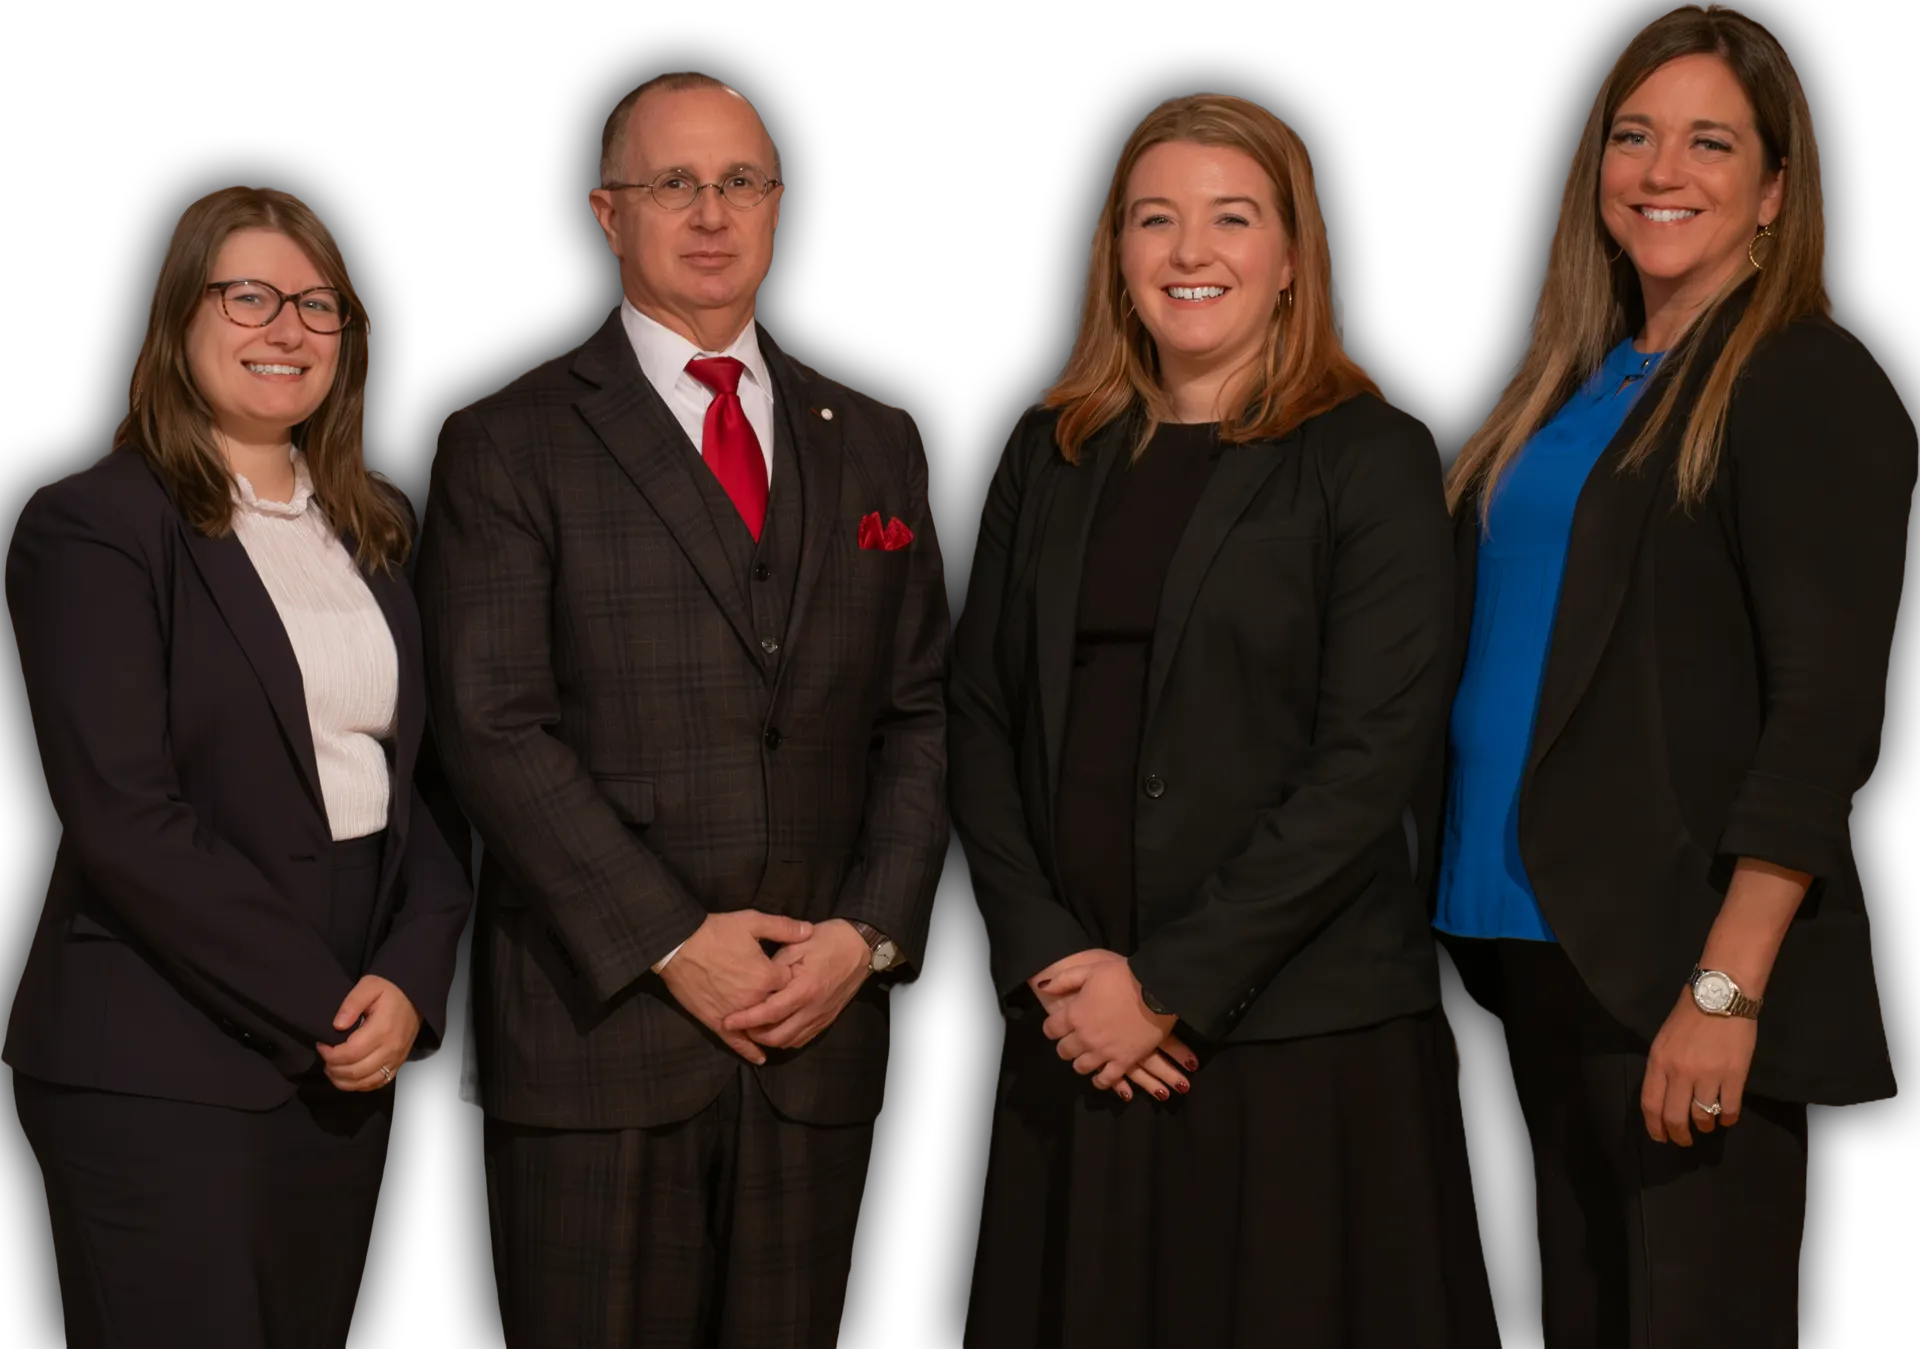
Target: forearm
1760	904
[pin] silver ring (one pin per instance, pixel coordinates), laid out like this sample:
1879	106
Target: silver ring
387	1073
1706	1109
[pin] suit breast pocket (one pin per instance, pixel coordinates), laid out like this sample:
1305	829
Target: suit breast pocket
631	798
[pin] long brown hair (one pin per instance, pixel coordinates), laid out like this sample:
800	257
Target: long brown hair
170	424
1591	299
1304	371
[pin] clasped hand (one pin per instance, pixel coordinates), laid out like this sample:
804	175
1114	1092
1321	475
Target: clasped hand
1099	1023
755	1002
387	1027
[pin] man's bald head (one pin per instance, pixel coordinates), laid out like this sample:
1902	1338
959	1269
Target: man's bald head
613	137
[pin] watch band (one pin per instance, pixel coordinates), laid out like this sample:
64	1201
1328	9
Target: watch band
883	953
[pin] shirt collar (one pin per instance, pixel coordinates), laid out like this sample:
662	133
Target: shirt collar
243	494
663	354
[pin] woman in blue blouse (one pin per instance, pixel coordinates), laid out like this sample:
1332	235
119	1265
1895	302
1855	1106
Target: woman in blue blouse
1679	544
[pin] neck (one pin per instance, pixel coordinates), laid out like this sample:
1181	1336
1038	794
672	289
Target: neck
261	457
1203	392
1673	304
707	329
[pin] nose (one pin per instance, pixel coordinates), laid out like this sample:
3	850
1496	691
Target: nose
1191	247
286	331
1668	166
709	212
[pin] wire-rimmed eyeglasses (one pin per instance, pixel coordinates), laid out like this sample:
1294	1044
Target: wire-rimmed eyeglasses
255	304
676	189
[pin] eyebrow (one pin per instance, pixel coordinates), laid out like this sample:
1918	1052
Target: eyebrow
1217	201
1698	124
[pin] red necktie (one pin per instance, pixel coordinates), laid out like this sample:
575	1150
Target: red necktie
727	441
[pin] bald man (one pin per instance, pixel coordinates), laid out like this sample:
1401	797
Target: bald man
685	630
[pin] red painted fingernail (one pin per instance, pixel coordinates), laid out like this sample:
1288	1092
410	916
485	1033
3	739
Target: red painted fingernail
1180	1087
1161	1092
1043	983
1193	1064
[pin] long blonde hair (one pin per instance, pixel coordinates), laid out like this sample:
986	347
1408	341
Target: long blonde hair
1304	370
1591	300
170	424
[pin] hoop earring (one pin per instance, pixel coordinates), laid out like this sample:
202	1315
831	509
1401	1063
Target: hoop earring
1288	292
1766	232
1619	252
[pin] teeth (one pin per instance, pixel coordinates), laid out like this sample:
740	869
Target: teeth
1196	292
1666	217
259	369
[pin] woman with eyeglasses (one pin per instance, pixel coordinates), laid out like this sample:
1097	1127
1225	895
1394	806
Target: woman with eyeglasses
1680	539
252	917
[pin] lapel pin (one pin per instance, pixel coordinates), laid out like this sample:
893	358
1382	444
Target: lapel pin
826	414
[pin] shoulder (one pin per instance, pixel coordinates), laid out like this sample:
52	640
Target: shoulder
820	396
119	493
1814	375
1367	439
551	383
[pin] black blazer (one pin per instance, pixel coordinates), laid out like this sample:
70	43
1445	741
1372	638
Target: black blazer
1296	686
634	757
180	953
1714	690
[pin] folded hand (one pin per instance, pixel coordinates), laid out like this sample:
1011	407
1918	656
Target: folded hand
1102	1026
721	969
826	970
370	1058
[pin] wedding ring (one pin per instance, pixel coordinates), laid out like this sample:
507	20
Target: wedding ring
387	1073
1706	1109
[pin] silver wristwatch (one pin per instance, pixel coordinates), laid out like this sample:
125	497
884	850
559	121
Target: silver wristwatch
1715	993
884	954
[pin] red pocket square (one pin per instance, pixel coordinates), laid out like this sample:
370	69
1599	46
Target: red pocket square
891	539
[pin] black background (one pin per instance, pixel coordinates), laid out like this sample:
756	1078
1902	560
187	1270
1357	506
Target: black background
930	254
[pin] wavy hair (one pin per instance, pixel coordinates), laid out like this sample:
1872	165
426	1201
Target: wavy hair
1304	371
1591	299
170	424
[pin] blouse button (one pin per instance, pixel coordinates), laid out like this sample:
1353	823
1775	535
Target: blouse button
1154	787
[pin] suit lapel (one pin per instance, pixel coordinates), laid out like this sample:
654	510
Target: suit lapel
1231	488
818	450
1056	597
243	601
643	437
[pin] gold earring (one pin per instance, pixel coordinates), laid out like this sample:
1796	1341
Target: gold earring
1766	232
1619	252
1288	292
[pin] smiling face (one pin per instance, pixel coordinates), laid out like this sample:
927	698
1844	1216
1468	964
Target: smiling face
1686	180
696	270
260	382
1203	256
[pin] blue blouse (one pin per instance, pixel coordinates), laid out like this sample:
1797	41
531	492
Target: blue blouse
1484	891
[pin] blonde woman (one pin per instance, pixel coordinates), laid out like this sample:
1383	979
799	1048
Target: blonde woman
251	922
1679	539
1202	660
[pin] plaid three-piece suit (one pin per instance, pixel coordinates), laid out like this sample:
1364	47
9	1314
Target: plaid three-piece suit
651	716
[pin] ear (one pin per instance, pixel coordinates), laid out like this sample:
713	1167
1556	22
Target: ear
1772	193
601	201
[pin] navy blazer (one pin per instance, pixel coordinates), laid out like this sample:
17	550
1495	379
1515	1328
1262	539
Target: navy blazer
180	953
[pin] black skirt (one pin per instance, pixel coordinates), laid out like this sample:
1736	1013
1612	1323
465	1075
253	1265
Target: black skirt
1311	1192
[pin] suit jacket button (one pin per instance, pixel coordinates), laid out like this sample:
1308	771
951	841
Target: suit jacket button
1154	787
773	737
768	645
761	571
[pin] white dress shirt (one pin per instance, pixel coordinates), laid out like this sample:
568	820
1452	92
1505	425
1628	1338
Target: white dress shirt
663	356
349	667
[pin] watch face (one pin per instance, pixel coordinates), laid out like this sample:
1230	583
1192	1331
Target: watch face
1714	992
885	954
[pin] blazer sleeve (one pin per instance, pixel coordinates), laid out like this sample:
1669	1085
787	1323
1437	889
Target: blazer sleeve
1028	927
433	896
1823	465
903	836
1381	701
83	598
485	580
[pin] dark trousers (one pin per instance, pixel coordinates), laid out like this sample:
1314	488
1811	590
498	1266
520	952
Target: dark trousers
1643	1245
731	1229
178	1224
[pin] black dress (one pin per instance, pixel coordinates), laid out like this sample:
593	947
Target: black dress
1311	1192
